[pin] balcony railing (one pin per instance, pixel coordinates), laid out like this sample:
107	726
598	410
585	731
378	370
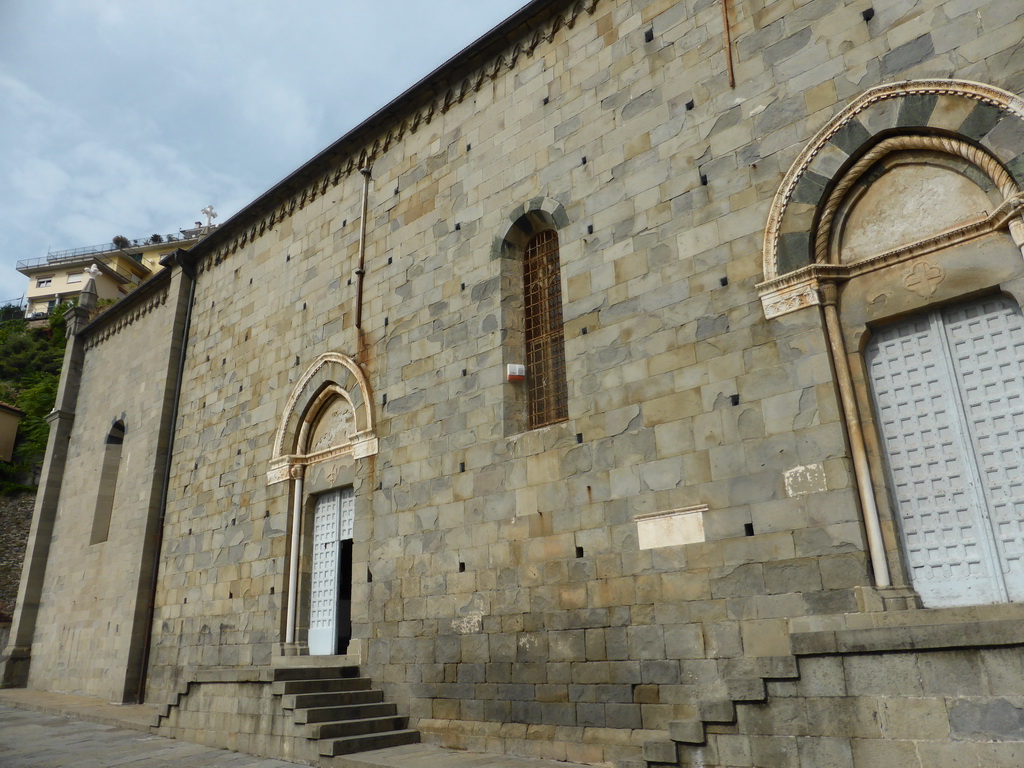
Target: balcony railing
56	258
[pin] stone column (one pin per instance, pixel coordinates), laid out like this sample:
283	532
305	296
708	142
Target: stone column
290	647
861	468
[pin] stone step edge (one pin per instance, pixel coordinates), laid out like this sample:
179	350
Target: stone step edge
748	689
288	699
206	675
400	737
399	722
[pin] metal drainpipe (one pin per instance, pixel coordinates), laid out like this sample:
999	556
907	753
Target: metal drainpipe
189	272
360	270
728	43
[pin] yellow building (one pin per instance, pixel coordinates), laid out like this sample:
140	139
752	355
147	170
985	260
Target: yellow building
60	275
9	419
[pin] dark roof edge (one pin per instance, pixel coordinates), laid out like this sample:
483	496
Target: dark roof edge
11	409
491	44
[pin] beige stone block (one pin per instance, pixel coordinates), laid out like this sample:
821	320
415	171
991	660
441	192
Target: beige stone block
672	407
914	718
765	637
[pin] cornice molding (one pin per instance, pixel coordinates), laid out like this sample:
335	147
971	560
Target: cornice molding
801	288
138	309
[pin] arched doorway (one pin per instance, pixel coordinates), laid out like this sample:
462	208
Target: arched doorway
902	220
326	428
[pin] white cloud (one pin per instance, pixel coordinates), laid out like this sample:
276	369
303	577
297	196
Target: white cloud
127	118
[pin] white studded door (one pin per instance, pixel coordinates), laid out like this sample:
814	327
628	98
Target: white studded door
949	398
332	521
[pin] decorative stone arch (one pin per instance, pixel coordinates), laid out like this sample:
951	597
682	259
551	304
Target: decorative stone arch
331	377
525	221
542	399
958	130
980	124
327	422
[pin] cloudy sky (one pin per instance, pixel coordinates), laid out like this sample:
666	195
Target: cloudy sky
129	116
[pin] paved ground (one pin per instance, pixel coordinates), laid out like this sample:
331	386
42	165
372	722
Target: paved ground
30	739
49	730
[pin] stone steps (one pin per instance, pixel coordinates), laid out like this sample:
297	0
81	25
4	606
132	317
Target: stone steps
358	727
331	699
747	688
344	712
286	687
341	710
351	744
314	673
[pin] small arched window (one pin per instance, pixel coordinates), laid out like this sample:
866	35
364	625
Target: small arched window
547	398
108	483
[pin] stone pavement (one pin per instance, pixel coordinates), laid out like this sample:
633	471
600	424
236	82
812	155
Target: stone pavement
32	739
51	730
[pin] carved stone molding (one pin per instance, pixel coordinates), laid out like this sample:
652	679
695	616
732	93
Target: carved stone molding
801	288
331	378
140	309
905	107
790	297
972	154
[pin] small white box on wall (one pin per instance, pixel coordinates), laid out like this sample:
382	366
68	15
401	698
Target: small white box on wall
516	372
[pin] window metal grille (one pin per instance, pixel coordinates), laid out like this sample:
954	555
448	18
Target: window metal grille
547	396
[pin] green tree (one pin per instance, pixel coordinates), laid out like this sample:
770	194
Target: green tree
30	364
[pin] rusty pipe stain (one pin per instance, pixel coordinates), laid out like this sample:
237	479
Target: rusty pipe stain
728	43
361	269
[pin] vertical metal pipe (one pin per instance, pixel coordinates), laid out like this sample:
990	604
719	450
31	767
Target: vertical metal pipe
293	567
361	269
861	468
728	43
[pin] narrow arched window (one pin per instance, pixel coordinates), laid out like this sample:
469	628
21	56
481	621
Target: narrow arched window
108	483
547	396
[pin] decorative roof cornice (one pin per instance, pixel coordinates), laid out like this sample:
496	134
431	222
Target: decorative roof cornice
498	51
141	301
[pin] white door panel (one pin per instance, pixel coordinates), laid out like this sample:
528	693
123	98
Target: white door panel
333	520
949	399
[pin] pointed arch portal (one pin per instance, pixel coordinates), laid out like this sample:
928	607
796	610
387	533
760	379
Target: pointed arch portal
328	417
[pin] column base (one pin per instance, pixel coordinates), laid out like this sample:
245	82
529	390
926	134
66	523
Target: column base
292	649
872	599
14	667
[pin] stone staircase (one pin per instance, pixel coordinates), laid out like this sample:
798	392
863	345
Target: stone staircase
340	710
747	685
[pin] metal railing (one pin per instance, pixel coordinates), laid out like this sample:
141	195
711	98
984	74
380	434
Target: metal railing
55	258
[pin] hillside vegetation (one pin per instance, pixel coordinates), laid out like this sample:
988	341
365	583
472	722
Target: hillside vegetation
30	363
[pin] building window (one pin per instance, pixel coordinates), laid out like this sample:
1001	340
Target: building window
109	470
44	282
74	277
547	397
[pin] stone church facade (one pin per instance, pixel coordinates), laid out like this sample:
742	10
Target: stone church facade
623	392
